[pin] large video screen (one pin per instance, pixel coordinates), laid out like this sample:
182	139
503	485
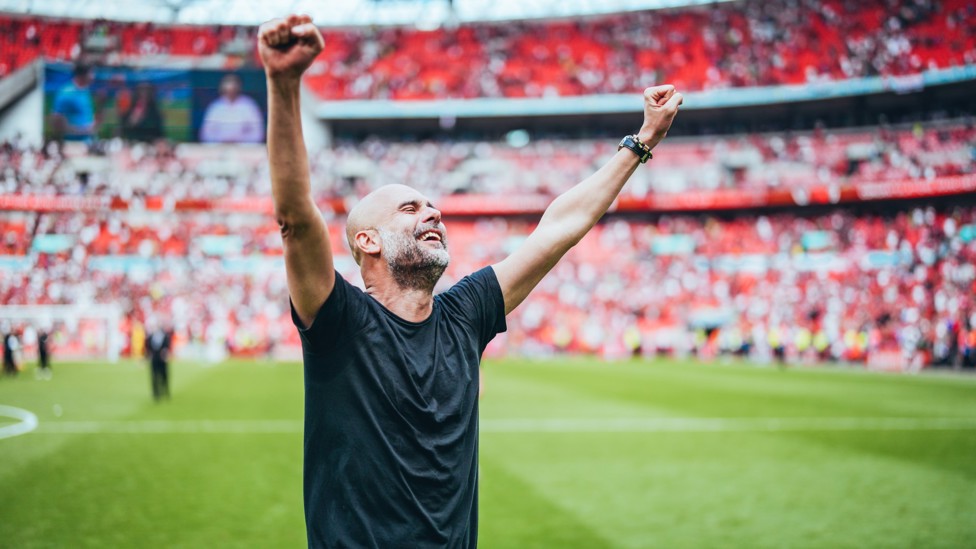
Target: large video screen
90	103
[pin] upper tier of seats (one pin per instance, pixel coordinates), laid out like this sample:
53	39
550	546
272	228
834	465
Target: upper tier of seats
736	44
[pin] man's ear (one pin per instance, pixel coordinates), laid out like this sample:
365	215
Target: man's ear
368	241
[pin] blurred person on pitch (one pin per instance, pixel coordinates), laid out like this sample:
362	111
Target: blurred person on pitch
159	344
10	347
44	354
391	373
233	117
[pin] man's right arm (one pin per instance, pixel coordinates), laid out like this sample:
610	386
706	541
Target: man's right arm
287	47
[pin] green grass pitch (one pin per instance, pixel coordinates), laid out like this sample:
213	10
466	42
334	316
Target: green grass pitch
574	453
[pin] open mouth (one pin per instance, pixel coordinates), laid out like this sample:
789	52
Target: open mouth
431	236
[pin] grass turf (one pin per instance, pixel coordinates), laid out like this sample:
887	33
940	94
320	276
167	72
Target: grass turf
574	453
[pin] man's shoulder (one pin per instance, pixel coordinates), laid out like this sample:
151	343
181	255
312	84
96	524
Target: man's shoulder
66	93
478	285
345	296
247	100
484	275
218	103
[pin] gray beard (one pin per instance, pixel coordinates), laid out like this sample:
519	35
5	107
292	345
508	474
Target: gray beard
413	266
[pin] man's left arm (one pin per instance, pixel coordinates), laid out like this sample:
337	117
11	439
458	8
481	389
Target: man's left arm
572	214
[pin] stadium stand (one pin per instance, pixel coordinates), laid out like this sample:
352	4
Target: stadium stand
764	163
837	285
843	285
25	39
736	44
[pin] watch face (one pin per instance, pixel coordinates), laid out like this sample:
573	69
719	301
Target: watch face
642	151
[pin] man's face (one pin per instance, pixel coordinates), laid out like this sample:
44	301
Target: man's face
414	244
230	87
83	79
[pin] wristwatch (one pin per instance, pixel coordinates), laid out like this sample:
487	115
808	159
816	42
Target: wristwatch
634	143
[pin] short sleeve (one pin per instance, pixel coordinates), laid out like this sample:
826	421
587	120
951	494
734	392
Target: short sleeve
340	317
477	298
61	103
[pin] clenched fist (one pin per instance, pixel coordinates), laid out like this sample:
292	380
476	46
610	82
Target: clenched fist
288	46
660	105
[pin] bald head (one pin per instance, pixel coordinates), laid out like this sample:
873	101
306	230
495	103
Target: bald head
375	209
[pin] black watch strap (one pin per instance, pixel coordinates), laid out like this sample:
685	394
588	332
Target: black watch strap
634	143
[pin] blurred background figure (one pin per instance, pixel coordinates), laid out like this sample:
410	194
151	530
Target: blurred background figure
142	120
233	117
44	354
73	114
10	347
159	343
137	339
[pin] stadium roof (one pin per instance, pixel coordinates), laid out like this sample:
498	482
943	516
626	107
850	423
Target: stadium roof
423	13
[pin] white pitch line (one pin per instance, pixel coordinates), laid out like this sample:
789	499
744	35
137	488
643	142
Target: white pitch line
203	426
534	425
708	425
27	423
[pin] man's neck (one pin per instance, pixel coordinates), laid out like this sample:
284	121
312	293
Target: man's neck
410	304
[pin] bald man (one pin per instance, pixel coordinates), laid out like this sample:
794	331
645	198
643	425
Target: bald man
391	373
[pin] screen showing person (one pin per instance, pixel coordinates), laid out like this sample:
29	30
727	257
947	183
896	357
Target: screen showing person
88	104
73	113
233	117
141	118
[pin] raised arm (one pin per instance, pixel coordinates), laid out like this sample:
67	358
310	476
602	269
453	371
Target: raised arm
573	213
287	47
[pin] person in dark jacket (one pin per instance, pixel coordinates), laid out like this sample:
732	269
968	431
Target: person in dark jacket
159	343
44	354
10	346
142	121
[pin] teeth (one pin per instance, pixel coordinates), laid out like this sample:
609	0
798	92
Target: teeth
430	235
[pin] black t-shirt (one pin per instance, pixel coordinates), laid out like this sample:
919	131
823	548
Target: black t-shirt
391	417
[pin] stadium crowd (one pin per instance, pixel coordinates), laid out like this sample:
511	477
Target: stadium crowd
735	44
895	287
769	161
742	162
